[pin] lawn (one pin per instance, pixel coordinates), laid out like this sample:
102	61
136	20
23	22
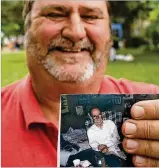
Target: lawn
145	68
13	67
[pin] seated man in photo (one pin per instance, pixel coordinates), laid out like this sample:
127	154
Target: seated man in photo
103	138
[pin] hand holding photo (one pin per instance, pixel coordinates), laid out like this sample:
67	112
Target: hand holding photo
91	129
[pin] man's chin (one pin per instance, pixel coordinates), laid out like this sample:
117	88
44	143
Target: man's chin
68	72
71	77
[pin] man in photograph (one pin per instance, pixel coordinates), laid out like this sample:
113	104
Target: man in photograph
67	47
103	137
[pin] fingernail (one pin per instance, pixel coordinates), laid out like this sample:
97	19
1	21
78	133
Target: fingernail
139	160
131	144
138	111
130	128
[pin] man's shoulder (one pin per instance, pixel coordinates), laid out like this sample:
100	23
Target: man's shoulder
9	89
124	86
108	122
10	92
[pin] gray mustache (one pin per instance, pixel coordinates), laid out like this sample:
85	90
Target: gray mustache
63	43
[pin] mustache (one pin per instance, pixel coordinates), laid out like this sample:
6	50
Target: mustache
62	43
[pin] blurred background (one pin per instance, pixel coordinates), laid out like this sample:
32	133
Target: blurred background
135	33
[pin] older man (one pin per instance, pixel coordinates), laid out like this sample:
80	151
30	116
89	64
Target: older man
67	46
103	135
104	138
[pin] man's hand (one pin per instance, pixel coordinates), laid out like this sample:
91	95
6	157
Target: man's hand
103	148
142	133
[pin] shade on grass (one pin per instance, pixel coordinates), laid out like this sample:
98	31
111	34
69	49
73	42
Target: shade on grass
145	68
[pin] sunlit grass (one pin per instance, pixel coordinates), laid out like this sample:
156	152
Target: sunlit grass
13	67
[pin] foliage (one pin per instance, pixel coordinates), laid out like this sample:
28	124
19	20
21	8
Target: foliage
126	12
135	42
152	31
12	22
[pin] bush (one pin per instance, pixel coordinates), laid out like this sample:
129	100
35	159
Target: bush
135	42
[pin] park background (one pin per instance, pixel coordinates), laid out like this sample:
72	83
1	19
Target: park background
139	37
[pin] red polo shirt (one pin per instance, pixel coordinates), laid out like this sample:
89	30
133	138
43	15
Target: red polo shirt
111	85
28	139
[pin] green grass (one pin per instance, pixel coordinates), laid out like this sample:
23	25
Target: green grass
145	68
13	67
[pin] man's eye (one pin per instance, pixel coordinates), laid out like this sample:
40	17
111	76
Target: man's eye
55	15
90	17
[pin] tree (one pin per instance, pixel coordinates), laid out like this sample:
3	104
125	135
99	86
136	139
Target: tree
126	12
152	31
12	22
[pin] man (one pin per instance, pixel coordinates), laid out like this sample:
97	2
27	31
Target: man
67	46
103	137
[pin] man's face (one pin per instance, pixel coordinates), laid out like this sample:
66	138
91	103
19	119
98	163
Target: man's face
70	40
97	117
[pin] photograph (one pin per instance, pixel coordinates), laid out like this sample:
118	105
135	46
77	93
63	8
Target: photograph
90	134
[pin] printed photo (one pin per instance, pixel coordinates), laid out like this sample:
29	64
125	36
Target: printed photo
90	133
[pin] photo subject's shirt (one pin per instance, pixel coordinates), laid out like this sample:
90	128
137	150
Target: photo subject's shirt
107	135
28	139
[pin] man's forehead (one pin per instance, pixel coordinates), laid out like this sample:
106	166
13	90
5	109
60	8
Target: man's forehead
71	4
95	111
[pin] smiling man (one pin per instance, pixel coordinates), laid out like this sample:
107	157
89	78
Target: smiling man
67	48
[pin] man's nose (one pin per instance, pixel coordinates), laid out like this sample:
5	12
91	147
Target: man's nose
75	29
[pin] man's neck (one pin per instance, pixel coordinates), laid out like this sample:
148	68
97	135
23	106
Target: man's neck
100	125
48	94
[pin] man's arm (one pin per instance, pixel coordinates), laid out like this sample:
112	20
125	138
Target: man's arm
115	136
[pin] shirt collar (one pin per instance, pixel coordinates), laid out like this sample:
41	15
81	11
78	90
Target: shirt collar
29	104
94	127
